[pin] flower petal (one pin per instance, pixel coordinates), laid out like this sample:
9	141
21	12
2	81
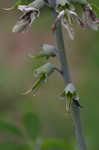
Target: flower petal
26	20
68	28
25	8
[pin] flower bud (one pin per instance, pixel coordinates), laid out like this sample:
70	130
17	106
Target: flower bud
69	90
46	70
47	51
42	74
69	93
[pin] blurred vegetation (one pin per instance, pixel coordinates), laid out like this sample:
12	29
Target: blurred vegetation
28	122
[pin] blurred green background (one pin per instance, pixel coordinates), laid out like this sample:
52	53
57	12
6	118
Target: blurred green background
50	121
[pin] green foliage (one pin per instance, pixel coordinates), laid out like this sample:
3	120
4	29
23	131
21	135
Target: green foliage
13	146
95	8
55	144
6	127
32	125
80	2
30	122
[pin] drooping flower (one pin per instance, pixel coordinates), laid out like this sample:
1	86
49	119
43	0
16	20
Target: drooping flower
71	95
26	20
47	51
42	74
89	17
68	14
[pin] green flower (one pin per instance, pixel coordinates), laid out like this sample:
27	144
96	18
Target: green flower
42	73
70	94
47	52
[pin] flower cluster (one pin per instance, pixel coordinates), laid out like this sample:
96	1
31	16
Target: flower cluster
68	14
43	72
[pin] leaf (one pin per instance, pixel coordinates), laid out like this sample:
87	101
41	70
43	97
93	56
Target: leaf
8	145
32	125
95	8
6	127
54	144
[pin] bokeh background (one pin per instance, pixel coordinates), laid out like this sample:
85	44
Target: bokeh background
16	76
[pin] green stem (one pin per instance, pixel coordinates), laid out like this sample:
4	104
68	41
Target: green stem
75	110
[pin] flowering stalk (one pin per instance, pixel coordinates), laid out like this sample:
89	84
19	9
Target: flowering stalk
75	107
65	14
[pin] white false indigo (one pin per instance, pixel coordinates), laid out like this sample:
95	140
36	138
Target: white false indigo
89	17
26	20
30	13
67	14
